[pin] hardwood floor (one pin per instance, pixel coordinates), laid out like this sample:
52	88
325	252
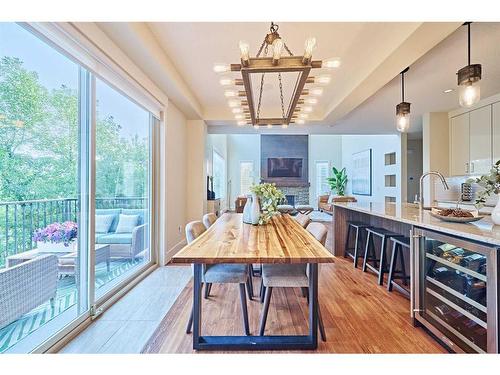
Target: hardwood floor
359	316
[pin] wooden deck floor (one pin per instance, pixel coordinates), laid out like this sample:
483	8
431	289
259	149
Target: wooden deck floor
359	316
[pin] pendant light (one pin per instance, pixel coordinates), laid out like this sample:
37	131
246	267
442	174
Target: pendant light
403	108
468	79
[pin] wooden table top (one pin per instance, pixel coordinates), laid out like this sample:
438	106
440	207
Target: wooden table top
229	240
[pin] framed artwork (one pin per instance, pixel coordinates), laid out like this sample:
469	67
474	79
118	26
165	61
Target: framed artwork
361	174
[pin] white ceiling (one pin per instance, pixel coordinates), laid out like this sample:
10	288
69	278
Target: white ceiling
363	93
426	80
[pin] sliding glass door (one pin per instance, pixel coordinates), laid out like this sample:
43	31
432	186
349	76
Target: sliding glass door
76	160
43	258
122	195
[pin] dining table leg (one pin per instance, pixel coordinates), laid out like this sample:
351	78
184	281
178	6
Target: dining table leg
197	285
272	342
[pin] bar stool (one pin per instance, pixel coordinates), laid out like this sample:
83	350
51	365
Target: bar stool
378	264
359	231
399	245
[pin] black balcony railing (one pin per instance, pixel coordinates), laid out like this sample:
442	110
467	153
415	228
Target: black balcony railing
18	220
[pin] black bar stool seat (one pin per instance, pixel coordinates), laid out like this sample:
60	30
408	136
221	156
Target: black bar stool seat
357	228
370	259
399	246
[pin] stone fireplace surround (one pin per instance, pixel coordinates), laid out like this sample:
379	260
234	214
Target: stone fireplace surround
287	146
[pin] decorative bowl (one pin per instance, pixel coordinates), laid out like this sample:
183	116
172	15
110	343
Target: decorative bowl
454	219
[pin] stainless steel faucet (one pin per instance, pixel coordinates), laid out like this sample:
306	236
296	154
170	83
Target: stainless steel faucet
441	177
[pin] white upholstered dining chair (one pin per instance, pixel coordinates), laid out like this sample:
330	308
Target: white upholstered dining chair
209	219
290	276
220	273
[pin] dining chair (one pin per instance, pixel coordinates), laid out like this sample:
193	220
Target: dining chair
220	273
209	219
291	276
302	219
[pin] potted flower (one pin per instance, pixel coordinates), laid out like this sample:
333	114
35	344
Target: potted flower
270	197
491	185
57	237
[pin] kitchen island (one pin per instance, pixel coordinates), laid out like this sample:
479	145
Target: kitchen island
453	269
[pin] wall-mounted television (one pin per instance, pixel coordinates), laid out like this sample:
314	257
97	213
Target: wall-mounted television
284	167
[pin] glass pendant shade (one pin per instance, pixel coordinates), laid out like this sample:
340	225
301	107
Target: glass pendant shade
244	50
277	49
309	47
222	68
469	94
403	122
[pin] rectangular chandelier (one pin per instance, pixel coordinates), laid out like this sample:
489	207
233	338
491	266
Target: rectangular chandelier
246	99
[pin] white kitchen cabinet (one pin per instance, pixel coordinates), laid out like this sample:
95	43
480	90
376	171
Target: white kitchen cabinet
459	145
480	140
496	131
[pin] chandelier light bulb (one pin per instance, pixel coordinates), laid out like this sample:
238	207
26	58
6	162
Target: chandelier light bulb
233	103
277	49
269	126
469	94
222	68
311	101
284	126
239	116
256	126
317	91
309	47
303	115
244	51
308	109
241	123
226	81
237	110
332	63
230	93
403	122
300	121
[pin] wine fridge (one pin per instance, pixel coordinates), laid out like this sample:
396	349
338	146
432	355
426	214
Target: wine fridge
455	290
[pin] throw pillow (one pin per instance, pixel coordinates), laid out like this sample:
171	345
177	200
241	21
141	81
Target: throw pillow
103	223
127	223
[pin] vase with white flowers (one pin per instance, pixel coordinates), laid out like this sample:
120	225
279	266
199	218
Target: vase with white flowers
490	184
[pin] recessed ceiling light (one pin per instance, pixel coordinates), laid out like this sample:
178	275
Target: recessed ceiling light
447	91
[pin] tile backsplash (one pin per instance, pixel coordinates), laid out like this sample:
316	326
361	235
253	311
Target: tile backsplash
454	193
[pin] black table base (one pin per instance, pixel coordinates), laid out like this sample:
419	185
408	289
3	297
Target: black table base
299	342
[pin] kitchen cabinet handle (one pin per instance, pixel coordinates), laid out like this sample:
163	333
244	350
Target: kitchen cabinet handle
472	167
466	167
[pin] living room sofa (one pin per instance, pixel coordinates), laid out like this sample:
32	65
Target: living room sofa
129	244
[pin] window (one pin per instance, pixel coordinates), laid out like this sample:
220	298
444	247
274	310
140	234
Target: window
219	171
46	187
246	177
322	173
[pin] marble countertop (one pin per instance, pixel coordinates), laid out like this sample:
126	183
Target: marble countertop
483	230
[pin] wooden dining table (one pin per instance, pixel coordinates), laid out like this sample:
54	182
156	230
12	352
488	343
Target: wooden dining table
281	241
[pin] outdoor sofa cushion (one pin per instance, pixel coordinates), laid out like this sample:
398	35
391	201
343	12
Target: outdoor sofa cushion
110	211
103	223
115	238
127	223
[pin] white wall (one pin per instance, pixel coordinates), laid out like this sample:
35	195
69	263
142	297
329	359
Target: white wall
323	148
380	145
175	180
196	186
241	147
414	167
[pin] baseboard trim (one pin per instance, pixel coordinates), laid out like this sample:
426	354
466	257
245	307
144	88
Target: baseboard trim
174	250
